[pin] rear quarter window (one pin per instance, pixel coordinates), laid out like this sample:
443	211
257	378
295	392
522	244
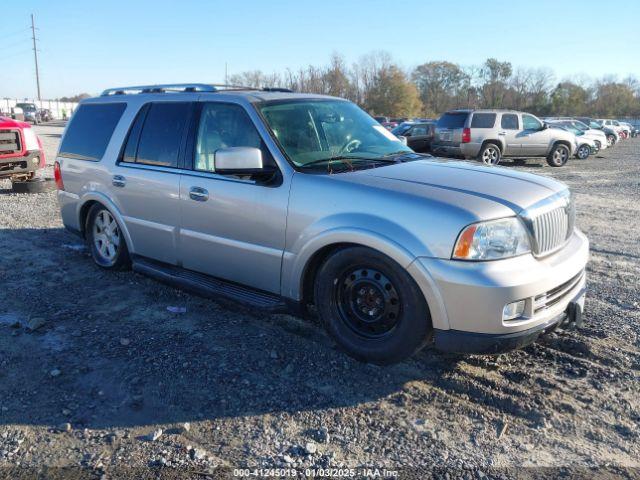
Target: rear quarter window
483	120
453	120
90	130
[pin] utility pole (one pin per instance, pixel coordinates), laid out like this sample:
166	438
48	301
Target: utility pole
225	74
35	53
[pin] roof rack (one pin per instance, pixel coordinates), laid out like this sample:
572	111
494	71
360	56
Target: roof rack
185	87
170	87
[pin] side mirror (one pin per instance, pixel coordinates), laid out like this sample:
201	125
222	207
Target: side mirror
239	161
544	126
403	139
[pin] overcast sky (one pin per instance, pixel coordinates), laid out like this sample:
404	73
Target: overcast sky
88	46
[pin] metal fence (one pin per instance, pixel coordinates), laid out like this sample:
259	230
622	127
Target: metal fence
59	110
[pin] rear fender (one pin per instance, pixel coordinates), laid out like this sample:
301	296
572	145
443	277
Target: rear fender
98	197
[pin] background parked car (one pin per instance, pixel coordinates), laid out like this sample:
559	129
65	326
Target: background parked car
417	135
31	113
583	131
585	146
381	119
21	155
45	115
614	125
490	135
610	133
630	128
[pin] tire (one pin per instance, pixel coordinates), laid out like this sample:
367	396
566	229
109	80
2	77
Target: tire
611	140
36	185
105	240
490	154
371	306
583	152
559	155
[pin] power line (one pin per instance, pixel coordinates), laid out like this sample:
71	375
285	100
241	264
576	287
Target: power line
15	54
35	54
13	34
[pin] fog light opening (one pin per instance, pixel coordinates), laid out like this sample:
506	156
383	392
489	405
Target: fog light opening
513	310
35	160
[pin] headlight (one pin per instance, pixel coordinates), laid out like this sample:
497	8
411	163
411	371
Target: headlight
30	139
492	240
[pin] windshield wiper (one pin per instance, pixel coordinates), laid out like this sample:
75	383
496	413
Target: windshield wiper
349	158
330	159
399	152
349	163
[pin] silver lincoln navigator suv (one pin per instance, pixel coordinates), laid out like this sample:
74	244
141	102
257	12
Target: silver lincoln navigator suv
304	203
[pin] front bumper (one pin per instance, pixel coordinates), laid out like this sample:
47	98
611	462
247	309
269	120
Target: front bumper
493	343
25	164
468	297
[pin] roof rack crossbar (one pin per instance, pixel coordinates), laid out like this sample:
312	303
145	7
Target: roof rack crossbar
186	87
170	87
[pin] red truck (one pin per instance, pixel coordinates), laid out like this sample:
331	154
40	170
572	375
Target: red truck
21	155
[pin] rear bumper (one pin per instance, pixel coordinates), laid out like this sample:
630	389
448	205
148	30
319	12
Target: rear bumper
446	150
25	164
484	343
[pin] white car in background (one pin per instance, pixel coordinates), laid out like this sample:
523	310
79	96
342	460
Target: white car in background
597	135
613	124
630	128
584	146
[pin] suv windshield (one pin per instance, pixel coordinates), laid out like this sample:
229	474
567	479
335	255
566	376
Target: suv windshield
26	107
453	120
311	131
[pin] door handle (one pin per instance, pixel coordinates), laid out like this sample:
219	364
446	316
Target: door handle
118	181
198	194
502	133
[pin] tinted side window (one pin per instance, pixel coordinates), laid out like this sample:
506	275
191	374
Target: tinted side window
162	134
419	131
483	120
224	125
530	123
509	121
453	120
90	130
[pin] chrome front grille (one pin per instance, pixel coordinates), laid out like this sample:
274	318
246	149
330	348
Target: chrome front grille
9	142
551	224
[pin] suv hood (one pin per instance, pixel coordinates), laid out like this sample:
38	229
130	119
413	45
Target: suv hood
469	186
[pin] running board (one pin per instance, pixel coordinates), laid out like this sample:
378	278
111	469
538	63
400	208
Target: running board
209	287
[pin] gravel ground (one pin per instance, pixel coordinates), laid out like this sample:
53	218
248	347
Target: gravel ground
108	383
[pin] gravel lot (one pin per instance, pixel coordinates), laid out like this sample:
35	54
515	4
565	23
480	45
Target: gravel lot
107	365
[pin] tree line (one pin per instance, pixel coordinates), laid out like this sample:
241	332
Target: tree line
379	85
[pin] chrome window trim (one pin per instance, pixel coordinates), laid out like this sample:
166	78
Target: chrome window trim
190	173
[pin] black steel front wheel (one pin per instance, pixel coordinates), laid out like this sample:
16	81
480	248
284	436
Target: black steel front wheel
368	302
371	306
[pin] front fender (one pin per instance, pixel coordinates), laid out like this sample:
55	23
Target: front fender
296	260
362	229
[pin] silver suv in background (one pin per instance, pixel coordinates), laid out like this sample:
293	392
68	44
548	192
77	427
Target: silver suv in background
284	201
491	135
